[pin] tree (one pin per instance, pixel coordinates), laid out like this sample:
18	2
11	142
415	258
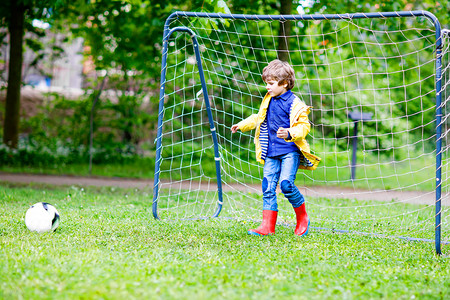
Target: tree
17	16
124	39
12	106
284	31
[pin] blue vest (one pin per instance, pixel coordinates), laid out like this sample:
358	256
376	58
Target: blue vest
278	115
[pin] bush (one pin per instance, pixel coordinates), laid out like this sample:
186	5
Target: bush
59	133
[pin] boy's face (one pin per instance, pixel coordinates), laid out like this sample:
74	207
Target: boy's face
274	89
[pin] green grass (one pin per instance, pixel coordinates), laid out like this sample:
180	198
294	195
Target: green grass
108	246
390	218
141	168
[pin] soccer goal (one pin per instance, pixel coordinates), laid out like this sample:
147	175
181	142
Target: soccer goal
378	87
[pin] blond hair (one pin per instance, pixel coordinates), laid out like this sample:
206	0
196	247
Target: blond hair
280	71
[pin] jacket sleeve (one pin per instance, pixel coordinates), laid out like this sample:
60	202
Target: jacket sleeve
248	123
300	125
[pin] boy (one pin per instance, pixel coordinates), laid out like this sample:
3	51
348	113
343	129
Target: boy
281	127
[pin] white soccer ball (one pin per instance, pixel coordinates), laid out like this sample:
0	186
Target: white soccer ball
42	217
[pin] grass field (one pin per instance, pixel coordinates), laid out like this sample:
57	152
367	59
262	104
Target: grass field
108	246
138	169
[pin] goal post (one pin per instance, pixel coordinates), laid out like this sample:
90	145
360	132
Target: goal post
380	176
167	34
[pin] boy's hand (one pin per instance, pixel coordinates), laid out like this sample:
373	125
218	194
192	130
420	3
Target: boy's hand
282	133
234	128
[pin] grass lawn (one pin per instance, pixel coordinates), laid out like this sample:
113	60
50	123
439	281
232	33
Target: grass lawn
108	246
138	169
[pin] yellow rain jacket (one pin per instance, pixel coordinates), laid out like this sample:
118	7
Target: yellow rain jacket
299	129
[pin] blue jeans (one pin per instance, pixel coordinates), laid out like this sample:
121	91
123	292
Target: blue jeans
283	169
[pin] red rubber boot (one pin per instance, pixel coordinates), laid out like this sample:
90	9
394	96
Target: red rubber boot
302	221
268	224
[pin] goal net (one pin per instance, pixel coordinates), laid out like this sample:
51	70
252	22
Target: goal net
371	81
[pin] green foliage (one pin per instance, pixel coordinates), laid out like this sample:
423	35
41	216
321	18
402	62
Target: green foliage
109	246
342	66
33	36
59	133
124	37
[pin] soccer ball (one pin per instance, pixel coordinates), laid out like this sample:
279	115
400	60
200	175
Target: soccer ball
42	217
